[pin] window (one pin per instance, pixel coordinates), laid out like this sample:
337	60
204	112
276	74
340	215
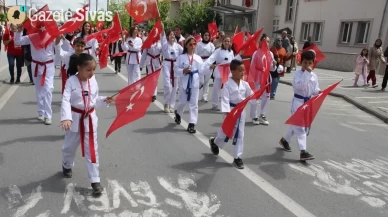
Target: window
346	32
275	26
278	2
317	32
290	10
362	32
305	31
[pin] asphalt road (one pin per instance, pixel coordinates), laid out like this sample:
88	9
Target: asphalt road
153	167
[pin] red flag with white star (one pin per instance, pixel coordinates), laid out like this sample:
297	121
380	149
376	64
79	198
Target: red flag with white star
231	119
304	116
213	29
319	56
133	101
143	10
154	35
75	21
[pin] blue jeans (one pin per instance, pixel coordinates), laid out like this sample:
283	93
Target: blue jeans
274	86
11	66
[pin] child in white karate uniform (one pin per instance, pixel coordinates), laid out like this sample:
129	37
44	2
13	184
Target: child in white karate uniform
151	59
79	119
305	84
189	67
133	47
235	90
43	68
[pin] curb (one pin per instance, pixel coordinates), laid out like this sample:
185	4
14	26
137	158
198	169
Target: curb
364	108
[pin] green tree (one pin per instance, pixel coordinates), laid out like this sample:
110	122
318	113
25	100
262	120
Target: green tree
3	17
197	16
164	9
119	6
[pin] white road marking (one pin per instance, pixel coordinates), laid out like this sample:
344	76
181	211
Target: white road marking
34	198
7	95
369	124
271	190
371	97
352	127
349	115
173	203
376	102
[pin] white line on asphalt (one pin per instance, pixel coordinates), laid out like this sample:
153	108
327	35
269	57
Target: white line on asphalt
271	190
350	115
352	127
337	105
383	108
7	95
369	124
376	102
371	97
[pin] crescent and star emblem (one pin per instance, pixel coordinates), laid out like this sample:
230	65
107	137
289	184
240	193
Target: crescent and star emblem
156	32
144	6
130	106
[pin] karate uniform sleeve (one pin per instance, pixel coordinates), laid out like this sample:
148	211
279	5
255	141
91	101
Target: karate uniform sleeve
211	60
143	58
95	44
212	47
163	39
316	86
238	57
20	39
100	100
60	51
248	93
178	67
66	103
180	49
225	99
200	66
125	46
301	82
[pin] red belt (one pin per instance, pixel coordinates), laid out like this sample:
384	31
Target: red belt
44	71
154	57
64	77
130	54
171	71
82	132
205	57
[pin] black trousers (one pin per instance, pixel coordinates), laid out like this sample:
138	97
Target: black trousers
117	60
385	79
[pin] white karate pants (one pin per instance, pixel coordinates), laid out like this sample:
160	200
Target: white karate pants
300	132
216	91
193	104
44	94
205	80
169	91
69	149
239	147
263	102
149	72
133	71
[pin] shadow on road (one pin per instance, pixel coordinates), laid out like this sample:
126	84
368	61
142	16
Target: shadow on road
51	138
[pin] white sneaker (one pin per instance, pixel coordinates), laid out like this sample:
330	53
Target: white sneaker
41	117
255	121
172	110
263	120
48	121
166	109
215	108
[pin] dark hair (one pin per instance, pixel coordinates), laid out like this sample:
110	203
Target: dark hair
178	27
80	41
131	30
78	60
235	64
188	40
168	34
222	43
308	55
83	33
263	36
367	52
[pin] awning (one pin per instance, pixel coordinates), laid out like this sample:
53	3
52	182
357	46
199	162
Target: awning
279	31
230	8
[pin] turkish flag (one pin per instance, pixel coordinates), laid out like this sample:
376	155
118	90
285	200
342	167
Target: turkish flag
133	101
100	25
6	32
143	10
319	56
119	54
213	30
236	31
238	40
224	70
261	64
96	35
114	32
252	41
247	77
198	38
231	119
103	55
153	36
75	21
306	113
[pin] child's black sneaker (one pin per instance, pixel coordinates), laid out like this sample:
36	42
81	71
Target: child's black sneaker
67	173
97	188
177	117
304	155
285	145
238	163
213	147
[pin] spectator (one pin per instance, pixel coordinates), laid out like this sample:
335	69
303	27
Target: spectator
385	79
292	50
28	58
13	53
375	57
308	43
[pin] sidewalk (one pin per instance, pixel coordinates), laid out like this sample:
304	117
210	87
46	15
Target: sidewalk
371	100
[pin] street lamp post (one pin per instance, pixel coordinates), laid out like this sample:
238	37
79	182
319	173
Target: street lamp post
96	5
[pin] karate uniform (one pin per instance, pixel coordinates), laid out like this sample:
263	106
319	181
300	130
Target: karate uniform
305	85
189	84
170	78
219	56
73	109
65	59
257	76
151	59
232	94
205	50
133	59
91	46
43	69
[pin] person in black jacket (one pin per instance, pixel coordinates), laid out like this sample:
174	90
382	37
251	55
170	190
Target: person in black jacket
385	79
28	58
308	43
